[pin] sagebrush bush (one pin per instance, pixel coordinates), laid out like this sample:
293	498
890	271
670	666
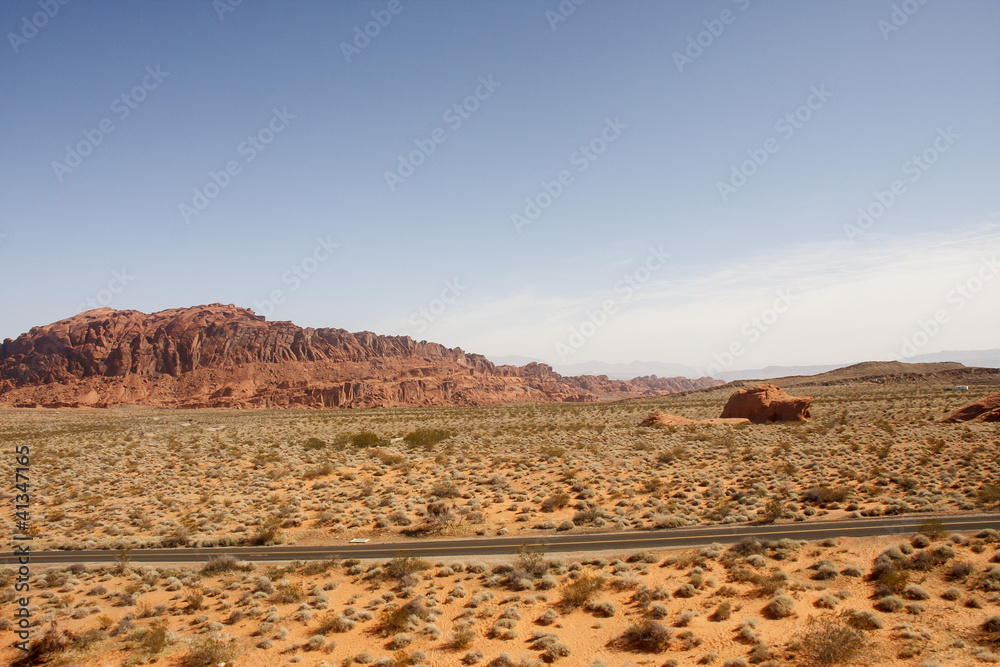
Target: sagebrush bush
647	636
830	641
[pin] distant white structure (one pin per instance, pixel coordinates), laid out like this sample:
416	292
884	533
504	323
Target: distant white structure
961	387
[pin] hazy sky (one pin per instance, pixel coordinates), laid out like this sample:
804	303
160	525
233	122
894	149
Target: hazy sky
672	181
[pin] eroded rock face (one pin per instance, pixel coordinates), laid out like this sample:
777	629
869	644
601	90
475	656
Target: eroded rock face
984	410
225	356
767	403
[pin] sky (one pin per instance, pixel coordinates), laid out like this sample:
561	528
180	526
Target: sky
724	184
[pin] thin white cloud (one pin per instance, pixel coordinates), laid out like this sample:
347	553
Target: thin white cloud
850	302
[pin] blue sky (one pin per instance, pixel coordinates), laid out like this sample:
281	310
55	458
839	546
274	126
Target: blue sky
835	100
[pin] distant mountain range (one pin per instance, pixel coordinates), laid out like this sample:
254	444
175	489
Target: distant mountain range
623	371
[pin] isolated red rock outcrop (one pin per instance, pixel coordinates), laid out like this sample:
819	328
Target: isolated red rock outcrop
767	403
986	409
228	357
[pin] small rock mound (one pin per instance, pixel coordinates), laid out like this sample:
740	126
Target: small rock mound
662	419
767	403
984	410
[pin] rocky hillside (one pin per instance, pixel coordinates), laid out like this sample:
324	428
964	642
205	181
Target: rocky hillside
225	356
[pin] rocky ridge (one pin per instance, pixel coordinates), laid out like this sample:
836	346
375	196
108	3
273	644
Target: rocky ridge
223	356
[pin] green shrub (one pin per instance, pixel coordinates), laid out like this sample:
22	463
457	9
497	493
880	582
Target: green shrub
427	437
366	439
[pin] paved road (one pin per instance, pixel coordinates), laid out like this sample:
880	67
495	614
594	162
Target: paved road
684	537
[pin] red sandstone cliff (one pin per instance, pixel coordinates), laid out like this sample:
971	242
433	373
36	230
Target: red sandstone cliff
224	356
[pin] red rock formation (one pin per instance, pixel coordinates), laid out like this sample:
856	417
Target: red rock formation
224	356
984	410
767	403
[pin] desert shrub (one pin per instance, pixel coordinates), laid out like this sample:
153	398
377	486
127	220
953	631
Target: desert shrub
746	547
952	594
959	571
780	606
915	592
890	603
210	651
427	437
647	636
862	619
606	608
830	641
194	601
223	564
445	489
722	612
462	637
774	509
686	591
322	470
930	558
556	501
988	494
891	576
658	610
826	601
288	592
825	494
334	623
314	443
825	570
404	566
42	650
267	533
155	639
579	592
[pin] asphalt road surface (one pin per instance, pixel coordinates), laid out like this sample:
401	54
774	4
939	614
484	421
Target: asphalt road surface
582	542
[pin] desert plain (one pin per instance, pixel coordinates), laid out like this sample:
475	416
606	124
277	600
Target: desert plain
132	478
